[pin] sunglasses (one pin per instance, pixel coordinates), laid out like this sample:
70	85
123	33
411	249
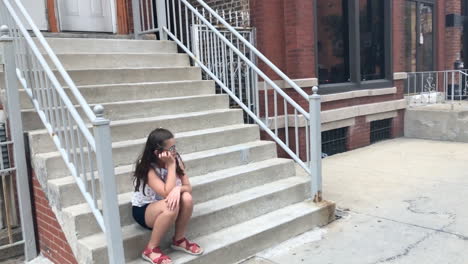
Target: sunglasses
172	149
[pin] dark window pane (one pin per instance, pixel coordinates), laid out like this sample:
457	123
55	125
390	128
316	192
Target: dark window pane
333	44
372	40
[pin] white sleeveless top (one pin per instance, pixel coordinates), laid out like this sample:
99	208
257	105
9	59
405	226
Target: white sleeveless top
141	198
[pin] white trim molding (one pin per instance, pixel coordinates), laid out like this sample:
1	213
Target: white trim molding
358	93
400	76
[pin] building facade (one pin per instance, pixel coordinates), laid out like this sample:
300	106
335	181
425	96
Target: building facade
358	52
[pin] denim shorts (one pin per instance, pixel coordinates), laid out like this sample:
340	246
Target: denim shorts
139	215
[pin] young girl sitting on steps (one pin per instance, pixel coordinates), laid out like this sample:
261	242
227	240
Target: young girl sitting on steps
162	196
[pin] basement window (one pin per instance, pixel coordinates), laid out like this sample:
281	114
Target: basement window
380	130
334	141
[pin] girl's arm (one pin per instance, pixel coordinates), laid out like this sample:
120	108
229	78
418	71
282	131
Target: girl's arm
161	188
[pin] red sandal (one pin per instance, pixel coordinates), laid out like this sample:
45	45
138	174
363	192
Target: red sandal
189	247
147	253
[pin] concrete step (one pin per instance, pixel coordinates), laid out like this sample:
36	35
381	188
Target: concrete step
143	108
122	130
212	216
205	187
121	60
89	45
95	94
217	159
240	241
133	75
127	152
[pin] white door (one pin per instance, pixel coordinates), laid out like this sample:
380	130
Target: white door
37	11
85	15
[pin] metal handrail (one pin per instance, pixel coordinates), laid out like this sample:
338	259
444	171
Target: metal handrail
225	50
58	65
254	49
429	87
85	154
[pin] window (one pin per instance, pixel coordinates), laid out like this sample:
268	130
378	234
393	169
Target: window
353	43
334	141
380	130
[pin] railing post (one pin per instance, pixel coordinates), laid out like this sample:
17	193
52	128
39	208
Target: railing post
195	42
162	18
7	58
108	186
315	145
136	19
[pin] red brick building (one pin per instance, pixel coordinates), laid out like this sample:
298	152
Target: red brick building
357	52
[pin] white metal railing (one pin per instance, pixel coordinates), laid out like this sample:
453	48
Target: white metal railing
9	219
225	47
88	156
431	87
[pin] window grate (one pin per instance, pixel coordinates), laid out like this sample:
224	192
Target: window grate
335	141
380	130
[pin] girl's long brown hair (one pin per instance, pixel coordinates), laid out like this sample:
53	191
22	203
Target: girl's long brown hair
156	141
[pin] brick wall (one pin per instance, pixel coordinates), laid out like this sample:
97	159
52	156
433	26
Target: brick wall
453	35
234	5
51	240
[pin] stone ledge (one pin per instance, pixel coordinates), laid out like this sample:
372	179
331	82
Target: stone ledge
332	119
381	116
358	93
303	83
400	76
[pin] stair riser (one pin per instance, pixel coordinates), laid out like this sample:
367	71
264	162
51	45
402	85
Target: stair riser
110	46
218	220
86	223
240	182
118	93
269	238
100	61
115	76
213	222
128	155
69	194
142	109
41	143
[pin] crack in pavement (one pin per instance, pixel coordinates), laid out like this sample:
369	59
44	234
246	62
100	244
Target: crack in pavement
412	207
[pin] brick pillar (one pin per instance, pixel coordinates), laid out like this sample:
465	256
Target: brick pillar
453	35
267	16
398	33
299	23
359	134
398	124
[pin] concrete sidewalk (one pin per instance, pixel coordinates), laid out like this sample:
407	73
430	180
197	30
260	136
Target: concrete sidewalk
401	201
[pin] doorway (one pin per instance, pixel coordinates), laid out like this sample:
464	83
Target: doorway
86	15
419	36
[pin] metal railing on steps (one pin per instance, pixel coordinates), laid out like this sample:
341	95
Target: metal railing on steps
87	155
433	87
231	61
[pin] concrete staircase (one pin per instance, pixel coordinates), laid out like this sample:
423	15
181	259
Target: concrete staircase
247	199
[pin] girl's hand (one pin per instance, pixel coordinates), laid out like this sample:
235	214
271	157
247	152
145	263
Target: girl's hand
166	157
173	198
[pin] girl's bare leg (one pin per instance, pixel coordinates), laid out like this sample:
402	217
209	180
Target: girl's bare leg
185	213
160	218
